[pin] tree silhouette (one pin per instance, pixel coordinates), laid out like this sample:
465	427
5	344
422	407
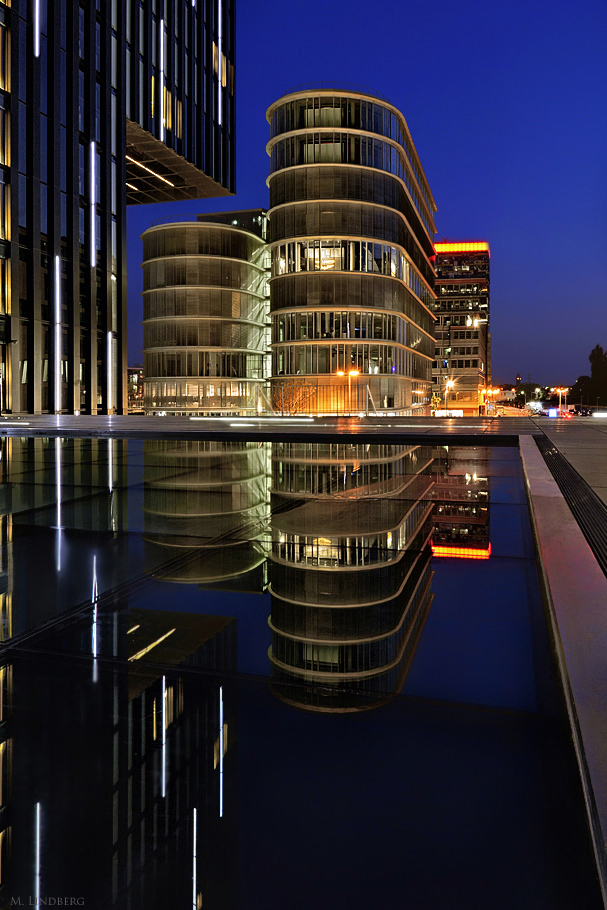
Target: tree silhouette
592	389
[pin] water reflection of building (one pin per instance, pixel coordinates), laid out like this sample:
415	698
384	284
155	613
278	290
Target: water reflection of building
461	493
350	570
61	501
206	511
124	797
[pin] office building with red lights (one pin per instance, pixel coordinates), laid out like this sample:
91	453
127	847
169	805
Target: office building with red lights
461	371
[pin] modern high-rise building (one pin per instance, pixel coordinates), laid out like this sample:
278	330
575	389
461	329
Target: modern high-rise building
462	366
351	236
205	305
101	104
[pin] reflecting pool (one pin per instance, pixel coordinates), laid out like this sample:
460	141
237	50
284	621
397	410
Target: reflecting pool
278	676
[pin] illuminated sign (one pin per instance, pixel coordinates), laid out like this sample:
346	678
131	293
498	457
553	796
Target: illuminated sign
475	246
460	552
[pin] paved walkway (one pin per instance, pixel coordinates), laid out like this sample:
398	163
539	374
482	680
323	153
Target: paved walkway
583	442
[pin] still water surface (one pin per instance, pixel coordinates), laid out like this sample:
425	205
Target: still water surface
278	676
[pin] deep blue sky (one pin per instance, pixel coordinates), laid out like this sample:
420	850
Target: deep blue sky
506	104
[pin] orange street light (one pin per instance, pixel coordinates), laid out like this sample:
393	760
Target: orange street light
351	373
448	385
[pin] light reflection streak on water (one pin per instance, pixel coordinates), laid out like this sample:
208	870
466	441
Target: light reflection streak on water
221	751
37	857
58	491
164	736
94	598
194	876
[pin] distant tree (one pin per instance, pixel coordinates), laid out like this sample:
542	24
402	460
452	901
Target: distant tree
592	389
598	366
581	391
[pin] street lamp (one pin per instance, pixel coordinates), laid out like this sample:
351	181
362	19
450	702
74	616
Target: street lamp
561	392
448	385
351	373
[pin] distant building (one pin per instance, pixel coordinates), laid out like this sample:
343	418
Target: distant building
205	317
135	388
462	368
352	286
101	105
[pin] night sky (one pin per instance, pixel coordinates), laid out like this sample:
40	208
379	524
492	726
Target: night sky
506	105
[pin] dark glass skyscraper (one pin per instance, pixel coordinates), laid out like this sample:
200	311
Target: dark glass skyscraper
101	104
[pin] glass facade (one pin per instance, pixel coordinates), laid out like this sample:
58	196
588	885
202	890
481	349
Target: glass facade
463	337
78	140
205	315
351	225
180	103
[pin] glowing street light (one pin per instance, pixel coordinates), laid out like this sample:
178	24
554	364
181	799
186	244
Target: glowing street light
351	373
561	392
448	385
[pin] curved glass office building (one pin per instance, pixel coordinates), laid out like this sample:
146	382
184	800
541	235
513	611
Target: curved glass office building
352	280
205	305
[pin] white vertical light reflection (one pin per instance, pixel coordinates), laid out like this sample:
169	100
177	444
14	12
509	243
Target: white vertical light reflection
94	598
162	31
219	62
164	736
194	876
92	206
57	334
110	402
58	493
221	751
37	857
36	28
110	465
110	481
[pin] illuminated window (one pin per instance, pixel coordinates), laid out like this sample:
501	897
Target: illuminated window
168	109
5	59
